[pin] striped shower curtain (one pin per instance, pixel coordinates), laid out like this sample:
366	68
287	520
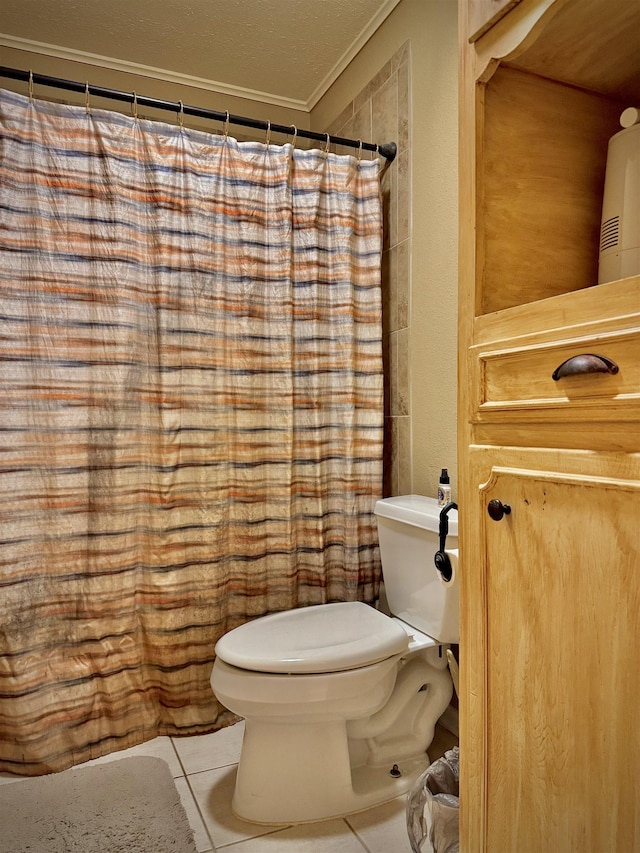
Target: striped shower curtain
190	414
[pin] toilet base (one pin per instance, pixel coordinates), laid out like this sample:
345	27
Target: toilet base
312	779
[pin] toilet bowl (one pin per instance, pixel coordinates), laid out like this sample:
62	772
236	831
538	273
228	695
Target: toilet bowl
340	700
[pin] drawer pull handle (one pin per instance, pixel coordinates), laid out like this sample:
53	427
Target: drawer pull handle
586	363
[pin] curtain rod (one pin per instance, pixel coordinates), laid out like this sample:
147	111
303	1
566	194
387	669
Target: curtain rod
387	150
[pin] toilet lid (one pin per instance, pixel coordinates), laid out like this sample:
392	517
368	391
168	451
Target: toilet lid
323	638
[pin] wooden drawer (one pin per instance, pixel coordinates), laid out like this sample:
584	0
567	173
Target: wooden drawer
513	381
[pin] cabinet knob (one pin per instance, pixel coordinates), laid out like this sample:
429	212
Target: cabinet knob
497	509
588	362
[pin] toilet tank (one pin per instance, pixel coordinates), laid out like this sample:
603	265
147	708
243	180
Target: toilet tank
408	534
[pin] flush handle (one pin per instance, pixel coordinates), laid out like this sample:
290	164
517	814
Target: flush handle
497	509
588	362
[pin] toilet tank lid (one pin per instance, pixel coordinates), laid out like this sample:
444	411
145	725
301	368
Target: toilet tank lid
317	639
417	510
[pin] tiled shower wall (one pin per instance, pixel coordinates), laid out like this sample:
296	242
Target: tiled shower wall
380	113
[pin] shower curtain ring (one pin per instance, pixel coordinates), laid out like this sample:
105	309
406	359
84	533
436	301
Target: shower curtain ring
295	134
268	137
226	125
134	106
359	150
327	143
86	97
30	85
181	115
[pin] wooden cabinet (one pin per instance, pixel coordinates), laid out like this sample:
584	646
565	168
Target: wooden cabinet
550	594
561	599
484	13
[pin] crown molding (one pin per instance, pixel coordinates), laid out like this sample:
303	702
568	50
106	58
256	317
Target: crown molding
351	52
165	75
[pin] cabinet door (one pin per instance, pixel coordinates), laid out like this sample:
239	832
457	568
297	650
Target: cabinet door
562	603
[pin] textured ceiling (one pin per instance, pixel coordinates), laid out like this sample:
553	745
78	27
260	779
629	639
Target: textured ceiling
282	48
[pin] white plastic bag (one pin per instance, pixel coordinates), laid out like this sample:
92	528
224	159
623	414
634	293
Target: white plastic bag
436	792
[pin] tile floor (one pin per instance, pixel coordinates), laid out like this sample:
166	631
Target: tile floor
204	769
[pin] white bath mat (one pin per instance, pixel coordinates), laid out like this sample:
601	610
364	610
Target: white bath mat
126	806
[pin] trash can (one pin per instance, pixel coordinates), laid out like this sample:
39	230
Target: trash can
436	794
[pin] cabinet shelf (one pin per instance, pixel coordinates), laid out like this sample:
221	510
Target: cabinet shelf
614	304
590	44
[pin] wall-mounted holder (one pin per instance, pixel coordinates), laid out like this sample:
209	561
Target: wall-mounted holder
441	559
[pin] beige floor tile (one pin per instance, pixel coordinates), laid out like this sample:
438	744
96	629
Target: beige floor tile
203	842
330	836
384	828
159	747
208	752
213	790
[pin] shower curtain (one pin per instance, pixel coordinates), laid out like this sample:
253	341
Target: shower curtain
191	414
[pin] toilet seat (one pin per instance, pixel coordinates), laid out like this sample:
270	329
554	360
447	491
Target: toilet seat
319	639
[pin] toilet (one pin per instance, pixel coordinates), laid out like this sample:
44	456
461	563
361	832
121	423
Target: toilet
341	700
